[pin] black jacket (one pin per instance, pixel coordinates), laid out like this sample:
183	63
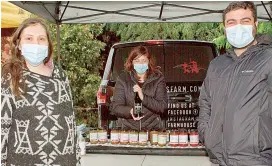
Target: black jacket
154	101
235	120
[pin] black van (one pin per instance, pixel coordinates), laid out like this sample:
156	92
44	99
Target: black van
184	65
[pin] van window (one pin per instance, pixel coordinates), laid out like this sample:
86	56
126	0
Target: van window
122	53
185	62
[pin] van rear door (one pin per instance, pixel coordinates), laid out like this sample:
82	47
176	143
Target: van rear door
186	64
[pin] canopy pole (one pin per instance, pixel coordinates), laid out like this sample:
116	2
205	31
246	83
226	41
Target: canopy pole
270	18
58	41
58	21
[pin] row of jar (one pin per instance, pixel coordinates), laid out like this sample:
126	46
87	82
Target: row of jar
173	138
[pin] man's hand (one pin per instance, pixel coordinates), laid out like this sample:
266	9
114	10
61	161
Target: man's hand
135	118
136	88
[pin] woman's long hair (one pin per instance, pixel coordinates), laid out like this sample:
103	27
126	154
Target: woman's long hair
141	51
16	63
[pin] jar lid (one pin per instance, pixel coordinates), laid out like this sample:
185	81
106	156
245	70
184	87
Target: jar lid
174	131
162	132
132	131
183	130
193	130
101	129
143	129
114	130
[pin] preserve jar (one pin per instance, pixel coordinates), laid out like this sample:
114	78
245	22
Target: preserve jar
143	137
162	138
124	137
114	136
133	137
194	140
93	136
174	138
153	137
102	136
183	138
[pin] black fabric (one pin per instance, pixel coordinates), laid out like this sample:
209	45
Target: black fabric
154	101
235	121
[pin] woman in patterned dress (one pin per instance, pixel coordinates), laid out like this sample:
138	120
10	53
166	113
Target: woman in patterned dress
37	118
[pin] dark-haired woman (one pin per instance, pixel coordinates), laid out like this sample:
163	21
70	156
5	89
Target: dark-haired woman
141	77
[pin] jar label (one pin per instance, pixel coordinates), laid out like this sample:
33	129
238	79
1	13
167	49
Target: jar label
133	137
114	137
194	139
174	139
124	137
162	139
183	139
142	138
93	137
154	138
102	136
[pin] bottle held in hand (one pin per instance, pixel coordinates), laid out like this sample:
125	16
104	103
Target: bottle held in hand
137	106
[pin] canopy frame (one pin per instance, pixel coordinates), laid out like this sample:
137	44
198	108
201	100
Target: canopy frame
56	11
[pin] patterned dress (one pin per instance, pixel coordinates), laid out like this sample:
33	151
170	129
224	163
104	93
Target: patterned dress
38	129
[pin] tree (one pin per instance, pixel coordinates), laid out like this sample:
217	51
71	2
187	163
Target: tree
80	58
222	43
213	32
156	31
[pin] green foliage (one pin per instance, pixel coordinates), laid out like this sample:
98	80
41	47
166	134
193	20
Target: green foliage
263	28
80	58
213	32
156	31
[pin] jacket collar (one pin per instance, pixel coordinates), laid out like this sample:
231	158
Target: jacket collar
151	78
263	41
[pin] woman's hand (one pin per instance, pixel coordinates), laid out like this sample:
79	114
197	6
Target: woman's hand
135	118
136	88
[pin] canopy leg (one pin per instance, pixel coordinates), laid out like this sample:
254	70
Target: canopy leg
58	42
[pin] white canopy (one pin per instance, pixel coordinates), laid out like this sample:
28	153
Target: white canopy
65	12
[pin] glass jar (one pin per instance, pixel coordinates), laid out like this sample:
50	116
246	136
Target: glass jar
174	138
154	137
102	136
162	138
143	137
183	138
124	137
114	137
133	137
93	136
194	140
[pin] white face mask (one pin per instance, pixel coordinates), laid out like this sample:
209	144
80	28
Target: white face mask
34	54
141	68
239	35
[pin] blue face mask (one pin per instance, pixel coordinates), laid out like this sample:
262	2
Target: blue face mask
34	54
239	35
141	68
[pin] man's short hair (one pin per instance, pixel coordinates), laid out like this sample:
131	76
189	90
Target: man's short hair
241	5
